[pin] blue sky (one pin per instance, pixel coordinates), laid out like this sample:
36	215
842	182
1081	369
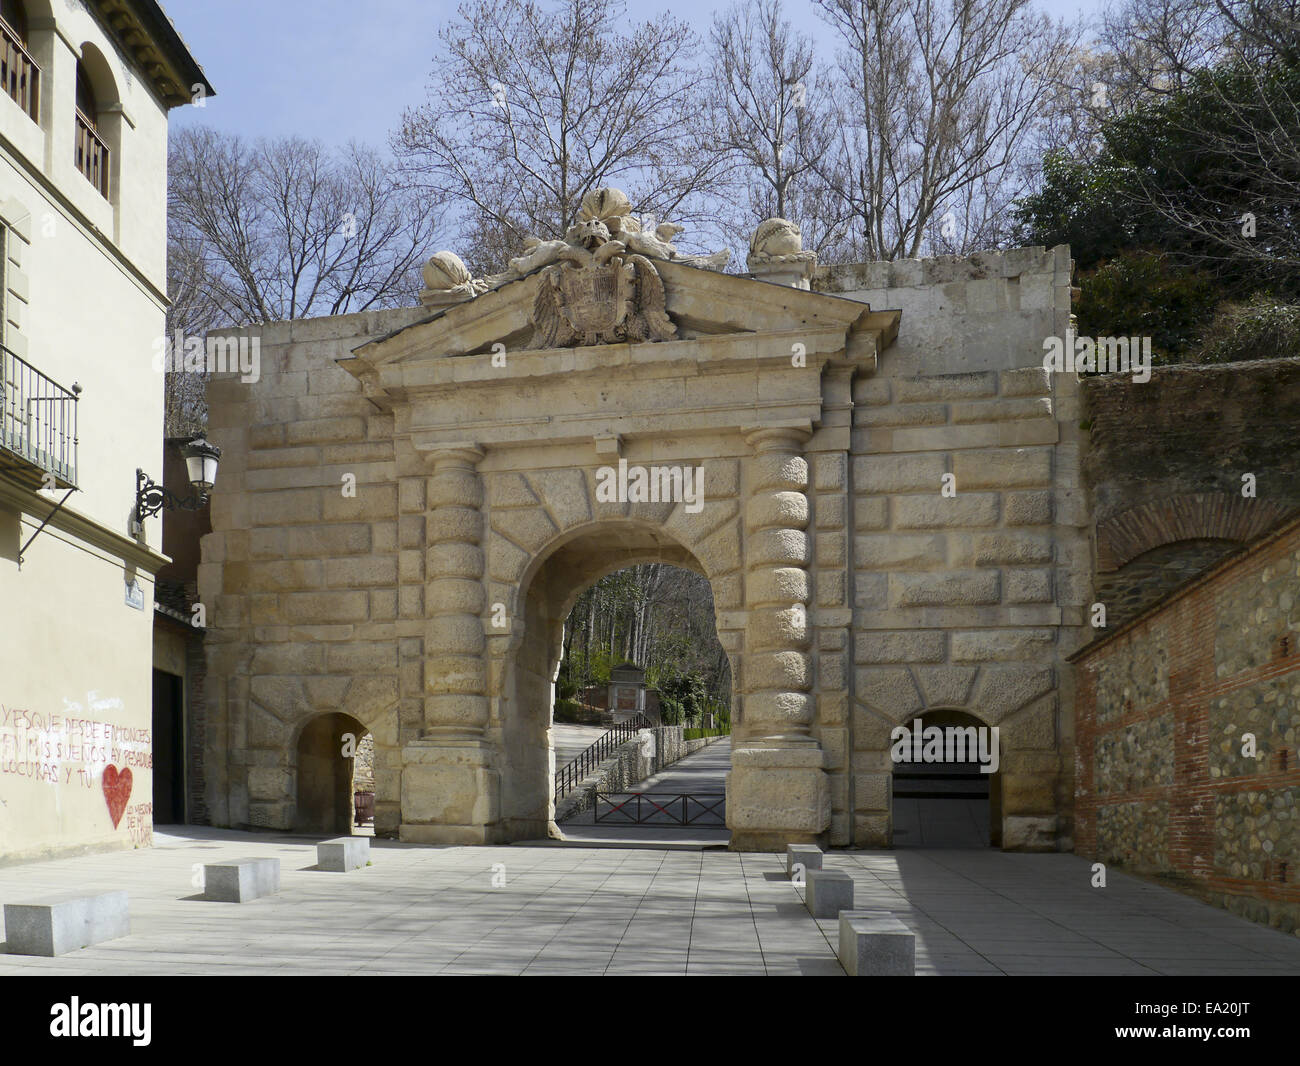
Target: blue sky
337	70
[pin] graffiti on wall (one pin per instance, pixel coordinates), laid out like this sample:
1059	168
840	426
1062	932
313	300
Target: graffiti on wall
81	746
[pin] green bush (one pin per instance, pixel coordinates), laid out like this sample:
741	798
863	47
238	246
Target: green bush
567	711
1260	328
700	734
1144	294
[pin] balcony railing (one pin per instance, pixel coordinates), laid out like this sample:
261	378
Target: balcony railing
38	426
92	154
19	72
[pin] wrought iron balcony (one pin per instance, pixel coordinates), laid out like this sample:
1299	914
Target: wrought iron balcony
38	426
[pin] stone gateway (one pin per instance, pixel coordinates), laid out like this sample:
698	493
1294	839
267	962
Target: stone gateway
887	512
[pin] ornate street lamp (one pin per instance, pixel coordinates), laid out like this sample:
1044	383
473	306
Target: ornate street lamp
201	460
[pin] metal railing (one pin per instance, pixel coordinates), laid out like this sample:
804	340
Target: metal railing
572	774
38	423
18	72
92	154
705	810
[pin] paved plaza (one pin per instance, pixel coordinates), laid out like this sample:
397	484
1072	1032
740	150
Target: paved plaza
642	910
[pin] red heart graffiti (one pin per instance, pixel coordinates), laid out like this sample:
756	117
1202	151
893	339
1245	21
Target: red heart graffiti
117	790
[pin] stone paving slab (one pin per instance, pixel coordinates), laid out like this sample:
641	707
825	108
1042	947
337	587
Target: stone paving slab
434	910
423	910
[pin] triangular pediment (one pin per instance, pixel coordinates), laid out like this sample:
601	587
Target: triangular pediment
702	305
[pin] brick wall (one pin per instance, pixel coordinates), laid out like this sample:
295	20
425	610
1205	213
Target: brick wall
1164	466
1162	707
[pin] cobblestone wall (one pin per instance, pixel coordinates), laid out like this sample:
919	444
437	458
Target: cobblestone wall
1187	722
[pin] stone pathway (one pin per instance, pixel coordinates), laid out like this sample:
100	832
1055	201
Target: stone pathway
620	911
703	773
570	741
994	912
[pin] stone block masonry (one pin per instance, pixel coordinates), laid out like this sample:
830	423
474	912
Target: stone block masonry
970	565
65	922
402	525
1188	733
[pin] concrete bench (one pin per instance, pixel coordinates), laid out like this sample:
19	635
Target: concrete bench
241	880
807	855
828	893
343	854
876	944
65	922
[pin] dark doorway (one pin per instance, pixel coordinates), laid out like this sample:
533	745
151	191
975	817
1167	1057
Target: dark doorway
168	749
951	804
326	764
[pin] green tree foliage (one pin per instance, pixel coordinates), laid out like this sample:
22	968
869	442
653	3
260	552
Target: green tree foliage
1190	201
660	618
1145	294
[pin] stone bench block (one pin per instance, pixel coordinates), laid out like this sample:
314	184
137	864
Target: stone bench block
828	893
343	854
65	922
241	880
810	855
876	944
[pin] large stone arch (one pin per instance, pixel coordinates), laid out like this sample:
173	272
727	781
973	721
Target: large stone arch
480	445
526	662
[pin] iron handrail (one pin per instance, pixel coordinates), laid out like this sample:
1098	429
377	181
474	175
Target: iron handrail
576	769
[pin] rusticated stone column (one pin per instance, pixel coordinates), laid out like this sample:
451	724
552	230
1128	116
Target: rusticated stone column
777	791
450	786
455	701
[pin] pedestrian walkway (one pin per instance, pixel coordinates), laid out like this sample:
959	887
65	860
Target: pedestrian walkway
704	774
570	740
526	910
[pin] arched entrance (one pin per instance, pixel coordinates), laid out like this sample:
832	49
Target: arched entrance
326	754
548	592
952	800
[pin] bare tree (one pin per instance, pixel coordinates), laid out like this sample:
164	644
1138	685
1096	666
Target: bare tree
192	312
285	229
939	101
532	105
773	119
1155	45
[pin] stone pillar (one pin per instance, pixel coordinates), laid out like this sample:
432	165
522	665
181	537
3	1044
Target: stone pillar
450	785
777	791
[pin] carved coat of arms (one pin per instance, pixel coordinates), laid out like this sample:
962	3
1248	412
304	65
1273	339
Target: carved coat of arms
598	293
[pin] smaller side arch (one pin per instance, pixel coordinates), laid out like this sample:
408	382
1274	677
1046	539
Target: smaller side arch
323	773
1190	516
